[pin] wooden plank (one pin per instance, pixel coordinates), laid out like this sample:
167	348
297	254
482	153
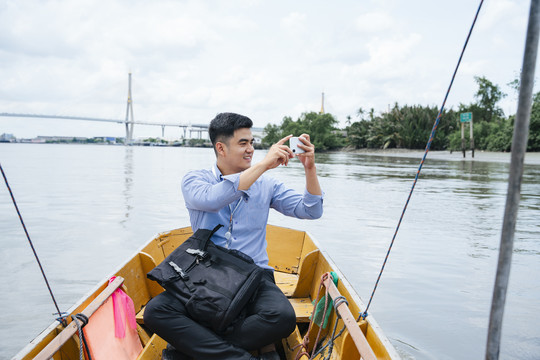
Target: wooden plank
291	346
135	282
144	336
153	349
148	263
286	282
348	319
305	274
284	247
140	316
302	308
55	345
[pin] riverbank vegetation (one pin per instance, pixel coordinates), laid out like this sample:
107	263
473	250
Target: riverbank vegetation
409	126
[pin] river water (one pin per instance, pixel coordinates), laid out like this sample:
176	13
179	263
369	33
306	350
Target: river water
89	207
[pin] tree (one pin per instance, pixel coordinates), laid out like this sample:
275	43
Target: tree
534	125
320	127
487	96
272	134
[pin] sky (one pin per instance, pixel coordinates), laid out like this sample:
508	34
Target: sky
191	60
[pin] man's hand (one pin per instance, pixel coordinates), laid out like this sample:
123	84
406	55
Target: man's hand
278	154
308	157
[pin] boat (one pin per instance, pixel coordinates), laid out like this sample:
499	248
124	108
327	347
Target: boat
302	271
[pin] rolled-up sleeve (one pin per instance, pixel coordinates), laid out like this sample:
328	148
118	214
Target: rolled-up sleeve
292	203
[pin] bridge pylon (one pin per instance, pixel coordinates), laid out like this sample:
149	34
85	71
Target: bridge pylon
129	111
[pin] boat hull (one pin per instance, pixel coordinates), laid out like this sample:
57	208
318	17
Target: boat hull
299	265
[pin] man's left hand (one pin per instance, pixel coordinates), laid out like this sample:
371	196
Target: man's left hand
308	157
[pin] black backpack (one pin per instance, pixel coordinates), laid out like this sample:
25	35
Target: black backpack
213	282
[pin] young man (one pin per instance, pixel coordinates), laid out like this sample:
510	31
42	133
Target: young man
236	194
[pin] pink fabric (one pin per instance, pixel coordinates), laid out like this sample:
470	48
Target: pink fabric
101	339
122	304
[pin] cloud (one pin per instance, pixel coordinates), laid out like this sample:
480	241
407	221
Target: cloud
192	59
294	22
374	22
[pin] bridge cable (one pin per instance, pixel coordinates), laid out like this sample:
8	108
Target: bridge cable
434	129
61	317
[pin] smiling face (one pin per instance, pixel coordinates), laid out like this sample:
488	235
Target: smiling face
235	153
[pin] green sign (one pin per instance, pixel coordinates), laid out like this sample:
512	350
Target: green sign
465	117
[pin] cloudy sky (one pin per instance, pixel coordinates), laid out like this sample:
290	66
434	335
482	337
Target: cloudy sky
265	59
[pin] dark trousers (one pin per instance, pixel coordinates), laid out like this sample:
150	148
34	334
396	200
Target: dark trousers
269	318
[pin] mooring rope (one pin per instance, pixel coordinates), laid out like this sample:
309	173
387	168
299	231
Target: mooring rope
434	129
82	339
61	315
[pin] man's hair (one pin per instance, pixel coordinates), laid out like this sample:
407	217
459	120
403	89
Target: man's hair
222	127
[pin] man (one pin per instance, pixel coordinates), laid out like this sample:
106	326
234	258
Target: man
237	195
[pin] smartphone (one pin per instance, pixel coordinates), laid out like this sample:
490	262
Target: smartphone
293	144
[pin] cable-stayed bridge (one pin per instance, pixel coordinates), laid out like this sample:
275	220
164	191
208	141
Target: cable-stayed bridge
198	128
129	121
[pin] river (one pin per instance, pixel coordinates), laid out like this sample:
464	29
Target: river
89	207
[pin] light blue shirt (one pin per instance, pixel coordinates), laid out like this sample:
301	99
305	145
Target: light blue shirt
211	197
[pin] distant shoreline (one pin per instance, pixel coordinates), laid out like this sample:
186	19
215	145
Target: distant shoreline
531	158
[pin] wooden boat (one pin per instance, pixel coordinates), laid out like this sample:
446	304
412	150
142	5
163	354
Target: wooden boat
300	265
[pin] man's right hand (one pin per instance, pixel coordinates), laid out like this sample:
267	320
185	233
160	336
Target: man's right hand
278	154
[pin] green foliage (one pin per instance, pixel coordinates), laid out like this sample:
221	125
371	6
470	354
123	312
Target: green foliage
534	125
491	130
358	134
320	127
411	126
402	127
273	134
487	96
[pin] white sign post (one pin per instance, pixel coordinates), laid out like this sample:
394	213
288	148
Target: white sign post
466	118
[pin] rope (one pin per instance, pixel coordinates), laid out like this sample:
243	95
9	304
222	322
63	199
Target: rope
305	341
434	129
61	317
330	343
82	340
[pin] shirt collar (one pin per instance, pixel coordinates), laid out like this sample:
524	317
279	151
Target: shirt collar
217	173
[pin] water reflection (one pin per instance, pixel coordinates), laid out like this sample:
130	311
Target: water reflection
128	184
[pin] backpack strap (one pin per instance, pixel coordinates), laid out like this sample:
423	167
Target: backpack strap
204	243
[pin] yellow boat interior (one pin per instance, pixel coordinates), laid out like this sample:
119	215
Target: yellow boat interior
299	266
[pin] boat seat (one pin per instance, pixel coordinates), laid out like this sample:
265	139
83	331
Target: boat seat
302	308
286	282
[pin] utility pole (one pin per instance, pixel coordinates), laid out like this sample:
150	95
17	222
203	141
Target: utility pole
519	147
129	110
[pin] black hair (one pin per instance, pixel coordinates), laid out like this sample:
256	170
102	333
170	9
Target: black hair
222	127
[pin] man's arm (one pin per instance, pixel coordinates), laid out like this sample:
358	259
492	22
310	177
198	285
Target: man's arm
201	194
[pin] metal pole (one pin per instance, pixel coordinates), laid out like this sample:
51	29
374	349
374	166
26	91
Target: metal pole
471	136
519	147
463	138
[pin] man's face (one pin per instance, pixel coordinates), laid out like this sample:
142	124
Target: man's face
237	152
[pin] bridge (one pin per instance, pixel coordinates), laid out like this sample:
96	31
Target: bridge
197	128
129	121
